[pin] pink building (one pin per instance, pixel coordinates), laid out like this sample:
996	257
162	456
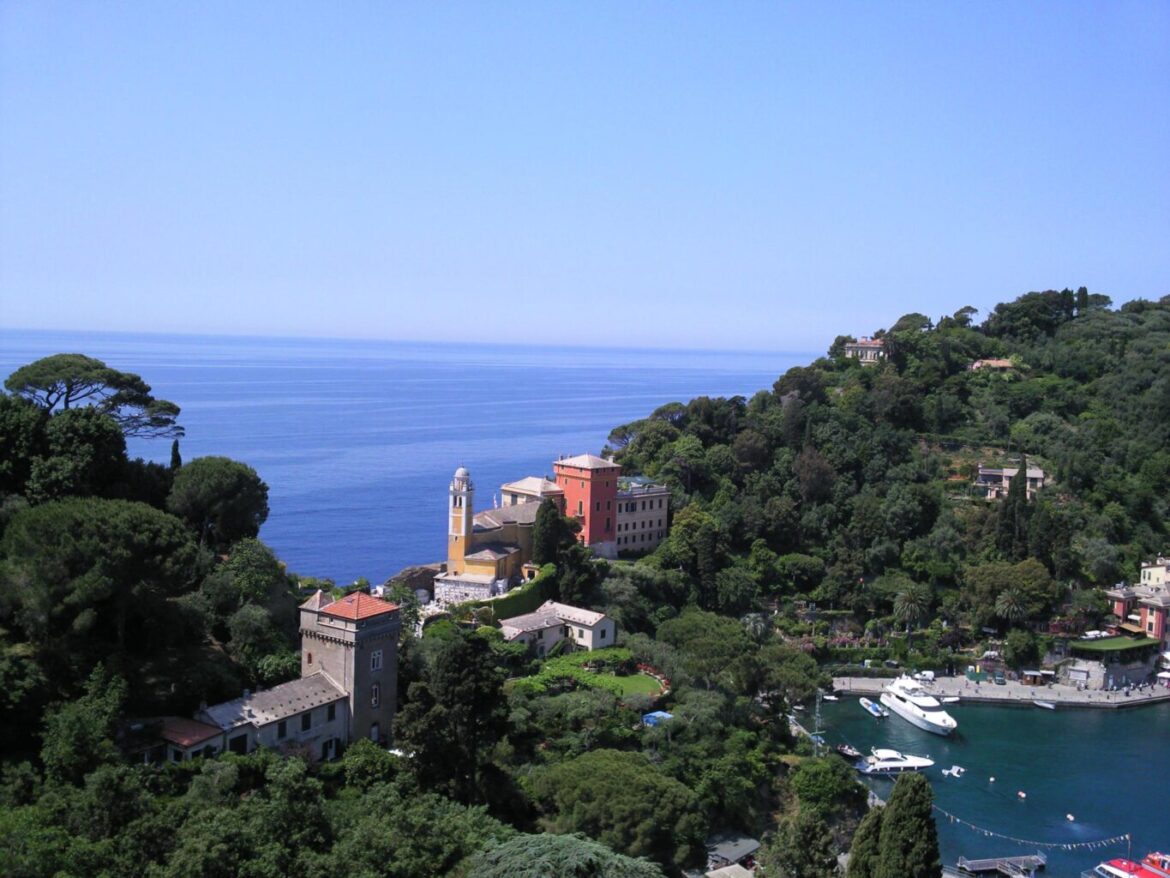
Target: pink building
1144	608
590	484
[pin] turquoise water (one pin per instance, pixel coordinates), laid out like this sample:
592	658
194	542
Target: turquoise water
357	440
1109	769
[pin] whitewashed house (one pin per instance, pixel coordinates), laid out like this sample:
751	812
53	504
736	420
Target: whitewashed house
553	622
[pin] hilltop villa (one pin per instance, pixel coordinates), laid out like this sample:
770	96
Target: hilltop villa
868	350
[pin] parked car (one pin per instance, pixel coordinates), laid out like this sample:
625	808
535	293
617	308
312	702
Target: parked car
1000	680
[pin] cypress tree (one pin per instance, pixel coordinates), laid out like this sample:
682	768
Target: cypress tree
908	847
863	853
802	848
176	458
546	533
1012	532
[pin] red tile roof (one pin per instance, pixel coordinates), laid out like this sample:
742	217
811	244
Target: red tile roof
359	605
185	732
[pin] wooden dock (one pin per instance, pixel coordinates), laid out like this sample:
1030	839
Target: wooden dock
1015	867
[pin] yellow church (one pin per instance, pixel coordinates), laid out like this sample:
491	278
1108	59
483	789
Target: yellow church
487	550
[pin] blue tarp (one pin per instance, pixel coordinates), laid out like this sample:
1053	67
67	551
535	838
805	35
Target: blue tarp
658	716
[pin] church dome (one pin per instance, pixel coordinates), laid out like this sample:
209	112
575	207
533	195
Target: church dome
462	473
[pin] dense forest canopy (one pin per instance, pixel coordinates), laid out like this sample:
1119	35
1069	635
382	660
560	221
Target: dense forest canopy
131	590
849	484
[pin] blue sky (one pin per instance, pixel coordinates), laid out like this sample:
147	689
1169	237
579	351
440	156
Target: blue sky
718	175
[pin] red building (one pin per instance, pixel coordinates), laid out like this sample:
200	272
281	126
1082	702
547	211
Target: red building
590	484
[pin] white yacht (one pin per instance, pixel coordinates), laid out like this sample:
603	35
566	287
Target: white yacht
907	699
881	761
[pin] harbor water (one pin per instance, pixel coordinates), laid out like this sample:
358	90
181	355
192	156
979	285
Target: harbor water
1109	769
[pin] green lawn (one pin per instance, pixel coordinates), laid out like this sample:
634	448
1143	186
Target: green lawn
1112	644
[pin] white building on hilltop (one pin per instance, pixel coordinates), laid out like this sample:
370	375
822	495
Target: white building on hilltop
553	622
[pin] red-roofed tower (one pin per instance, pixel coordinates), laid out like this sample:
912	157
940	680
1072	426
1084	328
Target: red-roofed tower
354	642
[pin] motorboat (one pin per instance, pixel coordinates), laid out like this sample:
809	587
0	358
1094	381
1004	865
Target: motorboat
830	697
1047	705
1121	868
848	751
950	699
883	761
954	771
874	710
1158	862
911	702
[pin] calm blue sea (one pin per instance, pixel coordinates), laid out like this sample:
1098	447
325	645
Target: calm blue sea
1109	769
357	440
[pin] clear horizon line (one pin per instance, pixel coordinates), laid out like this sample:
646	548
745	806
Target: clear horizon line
420	341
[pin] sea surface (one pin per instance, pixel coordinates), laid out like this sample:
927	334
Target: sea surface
1109	769
358	440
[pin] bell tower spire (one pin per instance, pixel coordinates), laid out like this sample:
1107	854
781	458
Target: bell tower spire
460	515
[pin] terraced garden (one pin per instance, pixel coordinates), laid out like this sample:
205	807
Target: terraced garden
608	669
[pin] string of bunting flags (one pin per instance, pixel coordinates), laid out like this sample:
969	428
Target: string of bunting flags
1051	845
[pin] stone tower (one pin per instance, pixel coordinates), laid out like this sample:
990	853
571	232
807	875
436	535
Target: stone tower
460	515
354	642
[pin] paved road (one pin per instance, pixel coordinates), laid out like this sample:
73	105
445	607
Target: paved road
1011	692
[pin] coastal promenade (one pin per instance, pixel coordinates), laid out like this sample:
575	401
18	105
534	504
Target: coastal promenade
1012	692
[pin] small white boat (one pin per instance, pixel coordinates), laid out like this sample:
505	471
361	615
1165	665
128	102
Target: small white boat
830	698
954	771
882	761
1047	705
874	710
950	699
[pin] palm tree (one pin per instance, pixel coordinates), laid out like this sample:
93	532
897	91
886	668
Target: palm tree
1009	606
911	604
757	626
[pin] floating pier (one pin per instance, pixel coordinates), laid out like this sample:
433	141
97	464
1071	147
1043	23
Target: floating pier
1015	867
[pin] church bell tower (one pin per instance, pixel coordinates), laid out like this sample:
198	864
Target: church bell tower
460	513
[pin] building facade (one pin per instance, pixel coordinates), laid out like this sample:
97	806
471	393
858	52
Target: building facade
532	489
489	551
590	485
353	641
868	350
485	550
995	481
553	622
1145	608
348	689
643	515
